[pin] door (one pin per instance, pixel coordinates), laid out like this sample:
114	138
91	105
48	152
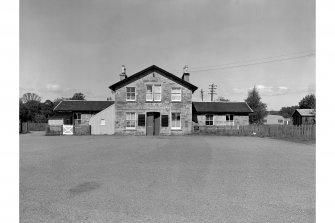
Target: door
150	123
153	123
157	123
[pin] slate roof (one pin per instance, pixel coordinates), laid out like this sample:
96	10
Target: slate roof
76	105
221	107
147	71
306	112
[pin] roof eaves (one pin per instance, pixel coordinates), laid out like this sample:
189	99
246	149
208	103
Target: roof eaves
57	105
193	87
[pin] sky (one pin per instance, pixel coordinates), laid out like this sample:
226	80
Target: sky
69	46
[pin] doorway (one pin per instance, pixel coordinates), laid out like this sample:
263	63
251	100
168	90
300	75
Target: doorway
153	123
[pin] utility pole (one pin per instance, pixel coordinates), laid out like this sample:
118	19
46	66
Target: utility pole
202	94
212	88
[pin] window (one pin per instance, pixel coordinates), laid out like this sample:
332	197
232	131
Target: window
280	121
165	121
209	120
131	95
175	122
141	120
176	94
102	122
130	120
77	118
230	119
154	92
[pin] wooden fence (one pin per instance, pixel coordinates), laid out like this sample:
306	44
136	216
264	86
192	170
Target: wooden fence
306	132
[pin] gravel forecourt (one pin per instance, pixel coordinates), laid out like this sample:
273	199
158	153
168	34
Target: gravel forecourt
165	179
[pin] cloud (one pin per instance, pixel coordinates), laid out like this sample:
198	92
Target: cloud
264	90
52	87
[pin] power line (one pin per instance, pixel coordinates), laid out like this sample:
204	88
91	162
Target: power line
264	60
252	63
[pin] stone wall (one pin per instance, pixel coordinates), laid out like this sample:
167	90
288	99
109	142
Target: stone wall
220	119
164	107
82	130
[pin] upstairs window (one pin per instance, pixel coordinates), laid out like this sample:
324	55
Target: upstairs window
176	94
209	120
131	95
102	122
154	92
130	120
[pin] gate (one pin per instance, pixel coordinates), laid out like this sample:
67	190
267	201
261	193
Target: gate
67	129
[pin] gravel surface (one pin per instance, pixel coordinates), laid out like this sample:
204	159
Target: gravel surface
165	179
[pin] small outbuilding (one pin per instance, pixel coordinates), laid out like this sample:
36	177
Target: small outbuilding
77	112
221	113
275	120
304	117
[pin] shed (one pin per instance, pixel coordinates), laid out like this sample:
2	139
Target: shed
304	117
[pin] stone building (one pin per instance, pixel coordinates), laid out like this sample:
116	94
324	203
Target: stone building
221	113
153	102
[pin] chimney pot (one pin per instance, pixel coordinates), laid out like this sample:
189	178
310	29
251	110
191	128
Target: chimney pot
123	74
186	74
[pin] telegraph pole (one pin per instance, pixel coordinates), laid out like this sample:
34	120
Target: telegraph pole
202	94
212	88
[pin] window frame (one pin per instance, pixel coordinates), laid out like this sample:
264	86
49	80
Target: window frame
153	92
208	121
131	120
76	114
179	93
174	121
230	119
102	121
130	93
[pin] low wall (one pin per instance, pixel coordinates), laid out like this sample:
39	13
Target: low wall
52	130
37	126
82	130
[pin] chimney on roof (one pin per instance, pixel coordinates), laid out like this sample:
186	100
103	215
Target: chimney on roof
186	74
123	74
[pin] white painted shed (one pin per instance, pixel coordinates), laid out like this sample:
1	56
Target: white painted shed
103	123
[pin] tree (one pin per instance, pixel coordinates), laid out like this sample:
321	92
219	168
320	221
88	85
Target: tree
259	108
78	96
309	101
287	112
47	108
27	97
222	99
29	106
58	100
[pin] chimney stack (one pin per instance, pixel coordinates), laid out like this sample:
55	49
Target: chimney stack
186	74
123	74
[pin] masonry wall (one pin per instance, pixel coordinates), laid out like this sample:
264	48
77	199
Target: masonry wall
220	119
164	107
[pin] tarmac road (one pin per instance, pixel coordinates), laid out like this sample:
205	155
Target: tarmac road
165	179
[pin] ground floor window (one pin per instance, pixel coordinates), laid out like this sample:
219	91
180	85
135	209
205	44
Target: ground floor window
209	120
230	119
130	120
175	121
77	118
